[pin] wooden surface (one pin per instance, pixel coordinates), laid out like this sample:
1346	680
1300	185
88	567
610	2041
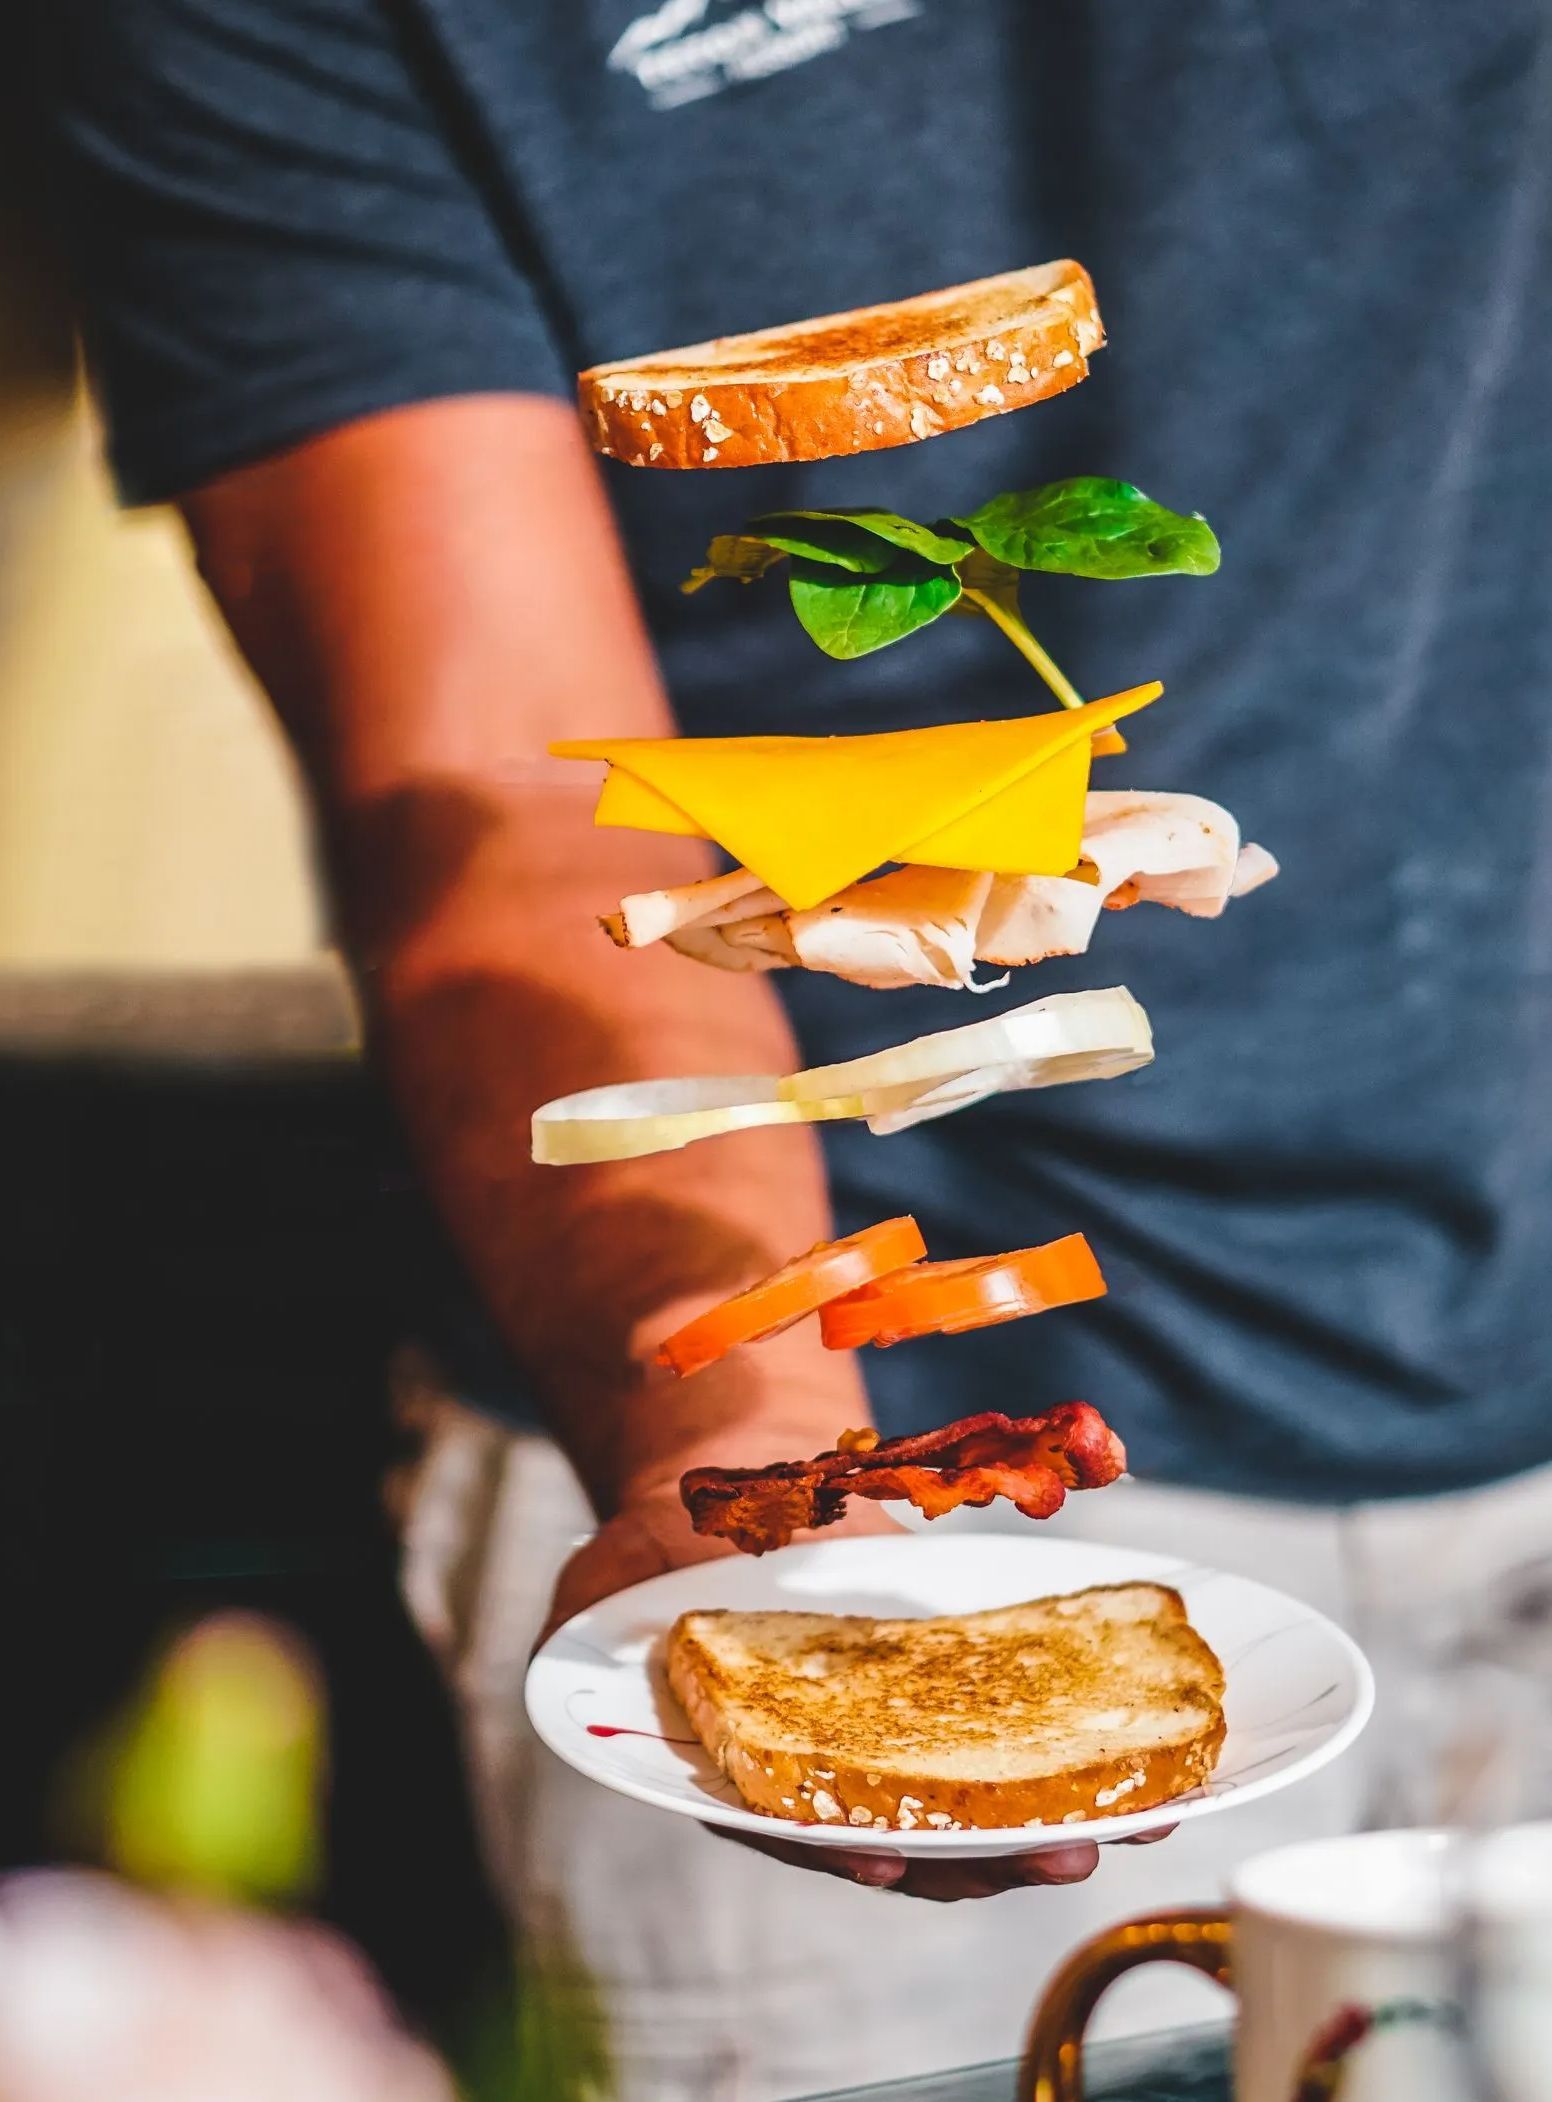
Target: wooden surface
283	1013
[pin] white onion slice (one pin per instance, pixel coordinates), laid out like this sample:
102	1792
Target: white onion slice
659	1116
1065	1037
1060	1026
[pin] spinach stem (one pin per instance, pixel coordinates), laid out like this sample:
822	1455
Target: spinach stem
1013	627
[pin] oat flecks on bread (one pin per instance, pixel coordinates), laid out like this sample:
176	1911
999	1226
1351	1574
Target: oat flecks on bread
1065	1709
849	383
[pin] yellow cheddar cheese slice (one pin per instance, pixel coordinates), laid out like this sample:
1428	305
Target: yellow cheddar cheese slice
808	815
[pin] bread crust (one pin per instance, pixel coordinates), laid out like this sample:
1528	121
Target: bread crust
818	1789
681	417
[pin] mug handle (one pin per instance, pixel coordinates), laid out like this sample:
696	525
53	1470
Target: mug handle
1054	2064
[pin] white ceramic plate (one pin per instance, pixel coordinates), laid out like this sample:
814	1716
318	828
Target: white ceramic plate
1299	1690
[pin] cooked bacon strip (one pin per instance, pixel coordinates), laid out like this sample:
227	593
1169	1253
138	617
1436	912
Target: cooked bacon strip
1032	1460
1034	1490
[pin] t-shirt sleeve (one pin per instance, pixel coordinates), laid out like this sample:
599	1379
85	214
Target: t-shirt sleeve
278	226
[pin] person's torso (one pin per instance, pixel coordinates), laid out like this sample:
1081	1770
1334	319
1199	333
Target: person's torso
1320	236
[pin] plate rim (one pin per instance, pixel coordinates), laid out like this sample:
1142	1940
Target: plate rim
988	1839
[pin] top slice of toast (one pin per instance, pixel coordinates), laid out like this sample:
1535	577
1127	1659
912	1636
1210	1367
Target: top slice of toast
1088	1705
844	383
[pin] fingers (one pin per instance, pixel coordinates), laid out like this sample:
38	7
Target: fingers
635	1544
876	1871
948	1882
1069	1864
1148	1839
939	1882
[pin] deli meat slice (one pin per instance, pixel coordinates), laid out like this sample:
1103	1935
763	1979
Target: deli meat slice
1031	1460
914	926
1167	849
657	915
930	926
1254	867
1138	849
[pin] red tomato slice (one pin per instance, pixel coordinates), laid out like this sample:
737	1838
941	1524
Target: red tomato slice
801	1287
947	1298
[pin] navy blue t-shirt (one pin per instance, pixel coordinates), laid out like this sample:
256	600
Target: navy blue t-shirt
1321	235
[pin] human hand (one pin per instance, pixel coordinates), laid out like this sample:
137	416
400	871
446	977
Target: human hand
651	1535
943	1882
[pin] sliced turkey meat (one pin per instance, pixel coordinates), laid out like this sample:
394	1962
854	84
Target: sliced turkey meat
1027	917
652	915
1170	849
758	944
913	926
928	926
1254	867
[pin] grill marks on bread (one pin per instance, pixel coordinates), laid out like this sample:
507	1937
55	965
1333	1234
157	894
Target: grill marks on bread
1062	1709
845	383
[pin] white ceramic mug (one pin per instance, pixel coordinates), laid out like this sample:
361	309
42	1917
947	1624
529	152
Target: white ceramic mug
1346	1959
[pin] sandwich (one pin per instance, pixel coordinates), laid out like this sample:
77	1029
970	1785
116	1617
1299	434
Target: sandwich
1057	1712
912	857
917	857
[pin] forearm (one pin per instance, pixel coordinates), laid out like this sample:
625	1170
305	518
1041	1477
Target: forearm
423	653
508	995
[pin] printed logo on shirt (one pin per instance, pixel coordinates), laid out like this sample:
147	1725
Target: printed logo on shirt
683	50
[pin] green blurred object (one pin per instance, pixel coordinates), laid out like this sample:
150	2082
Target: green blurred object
562	2050
213	1782
542	2035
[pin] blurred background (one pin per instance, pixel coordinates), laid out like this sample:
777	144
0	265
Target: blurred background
190	1422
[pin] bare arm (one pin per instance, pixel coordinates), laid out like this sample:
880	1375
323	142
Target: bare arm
430	596
423	640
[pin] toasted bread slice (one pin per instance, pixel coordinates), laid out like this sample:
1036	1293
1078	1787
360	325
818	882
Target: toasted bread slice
1080	1707
850	383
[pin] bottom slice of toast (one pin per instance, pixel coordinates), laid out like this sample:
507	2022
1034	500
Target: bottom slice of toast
1085	1706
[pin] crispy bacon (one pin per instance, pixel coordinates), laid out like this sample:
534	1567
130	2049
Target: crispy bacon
1031	1460
1035	1490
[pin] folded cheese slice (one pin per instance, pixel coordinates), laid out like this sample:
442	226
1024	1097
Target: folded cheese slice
809	815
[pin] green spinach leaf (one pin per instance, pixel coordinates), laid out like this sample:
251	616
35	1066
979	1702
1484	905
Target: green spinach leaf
828	531
1093	527
821	536
984	577
736	555
852	616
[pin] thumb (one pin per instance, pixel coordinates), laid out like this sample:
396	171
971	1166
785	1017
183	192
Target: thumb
644	1540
